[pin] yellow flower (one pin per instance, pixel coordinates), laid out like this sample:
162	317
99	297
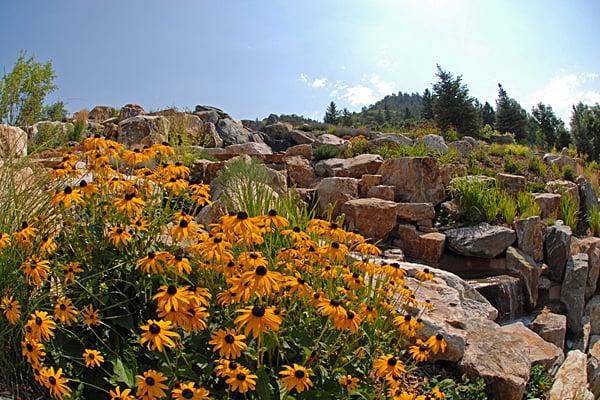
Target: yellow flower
150	386
90	316
349	382
36	270
388	365
188	391
296	378
70	270
65	312
48	245
437	343
92	358
228	343
130	205
349	322
172	298
425	275
258	319
242	382
56	383
119	236
158	334
11	309
40	326
4	241
117	394
67	197
24	235
33	351
419	352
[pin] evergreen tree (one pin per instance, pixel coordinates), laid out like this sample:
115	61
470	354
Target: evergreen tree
386	111
510	116
585	128
427	110
548	125
54	112
452	105
332	114
407	114
346	117
488	115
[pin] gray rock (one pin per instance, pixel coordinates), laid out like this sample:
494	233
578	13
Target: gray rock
530	236
360	165
143	130
233	133
592	310
208	116
329	139
434	143
130	110
250	148
572	294
463	147
282	135
587	195
504	292
502	139
389	139
522	265
549	204
557	248
513	184
591	246
482	240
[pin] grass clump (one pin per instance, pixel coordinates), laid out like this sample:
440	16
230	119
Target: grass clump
512	166
537	166
527	205
540	383
593	219
483	200
568	173
460	389
325	151
569	210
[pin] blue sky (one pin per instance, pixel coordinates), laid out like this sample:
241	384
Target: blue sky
252	58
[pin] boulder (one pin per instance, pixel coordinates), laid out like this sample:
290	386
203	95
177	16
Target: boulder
562	160
513	184
482	240
551	327
539	351
101	113
426	247
249	148
592	310
143	130
415	179
383	192
204	171
336	191
474	142
572	294
587	195
300	172
452	209
557	248
360	165
13	141
530	236
303	150
564	188
200	108
328	167
549	204
368	181
591	246
463	147
281	135
233	133
570	382
208	116
332	140
415	211
519	264
130	110
504	292
434	143
389	139
371	217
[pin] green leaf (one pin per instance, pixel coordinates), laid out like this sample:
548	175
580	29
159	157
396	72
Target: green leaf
263	387
122	373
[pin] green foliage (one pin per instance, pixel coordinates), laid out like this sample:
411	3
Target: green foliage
510	116
535	187
555	170
585	128
527	205
24	89
539	383
511	165
54	112
332	114
464	389
483	200
549	127
569	210
508	208
325	151
593	219
568	173
51	136
500	150
537	166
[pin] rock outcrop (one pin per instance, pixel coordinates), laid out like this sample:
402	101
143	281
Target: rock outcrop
483	240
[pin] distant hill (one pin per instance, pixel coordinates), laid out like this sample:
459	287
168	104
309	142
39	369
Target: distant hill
397	109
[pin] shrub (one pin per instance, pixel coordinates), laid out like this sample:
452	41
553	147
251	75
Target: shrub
517	150
555	170
50	136
527	205
511	166
462	389
594	221
568	173
508	208
537	166
535	187
126	274
325	151
540	383
496	149
481	199
569	210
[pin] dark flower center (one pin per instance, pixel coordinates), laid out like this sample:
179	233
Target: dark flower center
242	215
38	321
151	255
261	271
150	381
187	394
258	311
439	337
91	356
299	374
119	231
129	196
172	290
392	361
334	226
335	245
83	183
183	223
355	275
24	225
272	213
301	281
229	339
335	302
296	229
254	256
241	377
154	329
68	190
233	365
52	380
29	347
63	307
407	318
217	240
350	315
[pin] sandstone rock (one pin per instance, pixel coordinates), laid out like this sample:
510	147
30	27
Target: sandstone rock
570	382
130	110
143	130
205	171
415	211
551	327
208	116
303	150
549	204
416	179
562	160
389	139
452	210
281	135
564	188
463	147
367	181
573	291
394	254
233	133
483	240
427	247
513	184
504	292
374	218
300	172
539	351
336	191
588	197
557	246
329	139
530	236
520	264
101	113
328	167
383	192
591	246
249	148
592	310
434	143
13	141
360	165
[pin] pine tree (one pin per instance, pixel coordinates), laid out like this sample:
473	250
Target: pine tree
332	114
427	110
510	116
488	115
346	117
548	125
452	105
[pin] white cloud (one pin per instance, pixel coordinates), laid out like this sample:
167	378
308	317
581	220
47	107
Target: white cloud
303	77
567	89
319	83
358	95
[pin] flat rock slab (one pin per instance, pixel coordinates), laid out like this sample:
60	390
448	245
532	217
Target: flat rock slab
483	240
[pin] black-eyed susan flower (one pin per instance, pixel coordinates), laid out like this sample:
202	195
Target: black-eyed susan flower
367	247
437	393
87	189
258	320
407	324
189	391
419	352
33	351
158	334
349	382
388	365
24	235
424	275
172	298
133	157
177	186
56	383
92	358
91	316
335	251
191	319
130	204
67	197
140	224
65	312
48	245
180	263
272	219
331	308
150	385
11	309
242	382
70	270
297	285
36	270
201	194
296	234
228	343
119	236
153	263
184	227
295	377
118	394
41	326
4	241
226	368
261	280
436	343
350	322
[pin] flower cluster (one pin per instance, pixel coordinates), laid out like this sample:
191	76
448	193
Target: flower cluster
127	276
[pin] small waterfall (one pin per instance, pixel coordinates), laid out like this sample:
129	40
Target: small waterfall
504	292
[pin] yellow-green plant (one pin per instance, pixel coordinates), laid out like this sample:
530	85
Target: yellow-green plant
508	208
527	205
569	210
593	217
